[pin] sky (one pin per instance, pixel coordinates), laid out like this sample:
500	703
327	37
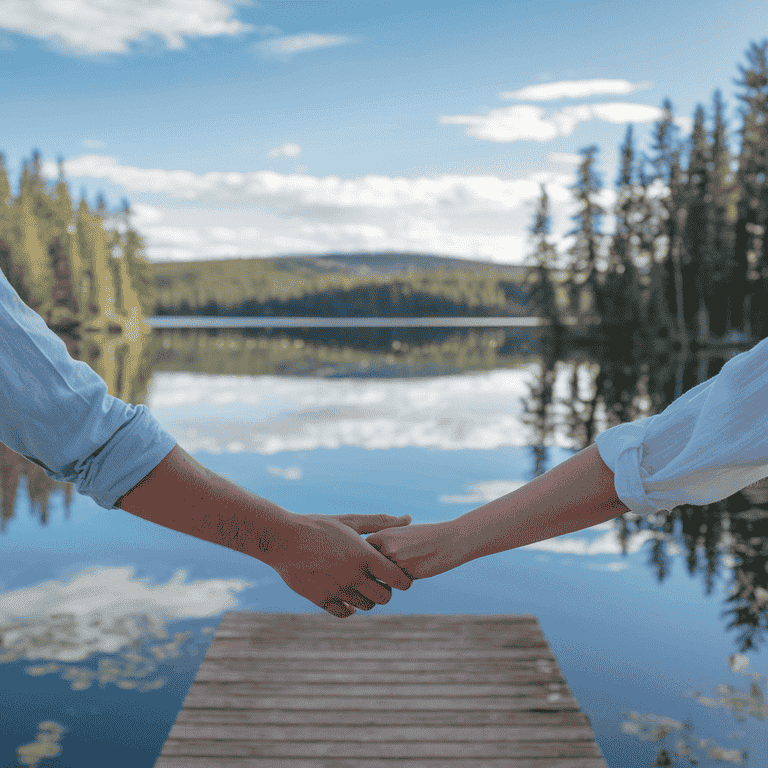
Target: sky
237	128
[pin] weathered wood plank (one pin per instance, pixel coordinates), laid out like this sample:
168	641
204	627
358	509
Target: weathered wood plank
400	750
424	689
413	762
394	717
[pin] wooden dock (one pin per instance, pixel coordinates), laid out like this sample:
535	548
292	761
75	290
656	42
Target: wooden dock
295	690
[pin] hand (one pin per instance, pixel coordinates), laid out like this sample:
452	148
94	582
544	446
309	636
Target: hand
421	550
322	558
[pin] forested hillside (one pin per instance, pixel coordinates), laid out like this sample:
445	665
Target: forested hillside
300	287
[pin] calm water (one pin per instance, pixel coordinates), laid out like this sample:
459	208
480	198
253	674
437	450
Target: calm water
115	614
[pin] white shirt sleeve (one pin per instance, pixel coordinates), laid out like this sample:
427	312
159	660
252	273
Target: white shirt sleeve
705	446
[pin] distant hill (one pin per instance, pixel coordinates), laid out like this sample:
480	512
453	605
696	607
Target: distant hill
383	263
341	285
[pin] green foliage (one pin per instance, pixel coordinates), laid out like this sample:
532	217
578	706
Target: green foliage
267	287
66	265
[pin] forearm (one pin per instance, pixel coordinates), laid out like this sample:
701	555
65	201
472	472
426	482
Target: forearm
577	493
185	496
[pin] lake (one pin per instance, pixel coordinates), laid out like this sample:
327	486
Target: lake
106	617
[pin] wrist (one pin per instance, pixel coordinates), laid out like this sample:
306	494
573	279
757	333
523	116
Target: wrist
185	496
464	545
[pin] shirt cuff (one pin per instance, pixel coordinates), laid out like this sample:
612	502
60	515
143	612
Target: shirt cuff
621	448
140	436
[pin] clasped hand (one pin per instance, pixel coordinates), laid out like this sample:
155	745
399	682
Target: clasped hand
324	559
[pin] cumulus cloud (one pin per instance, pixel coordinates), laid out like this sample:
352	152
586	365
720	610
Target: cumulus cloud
85	27
565	157
102	607
285	150
287	473
265	213
273	414
574	89
482	493
526	122
288	45
294	191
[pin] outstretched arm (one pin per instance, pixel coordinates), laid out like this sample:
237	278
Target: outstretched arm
577	493
321	557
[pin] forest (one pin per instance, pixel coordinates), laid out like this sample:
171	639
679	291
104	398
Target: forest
686	262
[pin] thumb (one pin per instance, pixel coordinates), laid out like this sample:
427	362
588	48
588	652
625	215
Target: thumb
372	523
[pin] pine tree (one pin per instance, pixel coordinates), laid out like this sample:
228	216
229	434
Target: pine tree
542	296
668	207
722	196
749	288
655	315
66	228
98	304
621	299
28	252
6	200
6	196
585	250
139	268
697	267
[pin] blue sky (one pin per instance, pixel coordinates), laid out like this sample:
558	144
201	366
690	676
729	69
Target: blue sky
283	127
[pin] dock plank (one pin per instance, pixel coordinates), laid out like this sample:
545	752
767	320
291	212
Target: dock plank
279	690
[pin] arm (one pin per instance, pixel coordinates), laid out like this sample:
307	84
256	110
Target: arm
321	557
577	493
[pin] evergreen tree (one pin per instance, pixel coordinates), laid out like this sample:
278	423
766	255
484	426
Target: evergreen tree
139	268
6	196
750	275
28	251
6	200
668	206
697	265
542	295
67	233
586	249
621	299
98	302
722	196
654	309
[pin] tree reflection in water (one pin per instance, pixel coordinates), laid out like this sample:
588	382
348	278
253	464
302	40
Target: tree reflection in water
610	381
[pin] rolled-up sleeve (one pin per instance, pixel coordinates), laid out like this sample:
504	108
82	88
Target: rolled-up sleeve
58	413
705	446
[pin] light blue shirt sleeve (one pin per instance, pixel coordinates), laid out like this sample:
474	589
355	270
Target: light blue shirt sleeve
705	446
57	412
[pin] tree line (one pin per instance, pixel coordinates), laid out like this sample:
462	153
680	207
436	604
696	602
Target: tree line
688	256
68	265
687	259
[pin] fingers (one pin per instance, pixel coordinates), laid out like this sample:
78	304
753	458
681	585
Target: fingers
337	608
387	571
373	523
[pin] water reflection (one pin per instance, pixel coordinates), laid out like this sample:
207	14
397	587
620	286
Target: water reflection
450	389
125	361
420	395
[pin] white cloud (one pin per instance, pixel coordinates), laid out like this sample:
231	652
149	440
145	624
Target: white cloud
102	607
526	122
86	27
288	473
271	414
574	89
144	215
565	157
285	150
284	47
229	214
481	493
295	191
